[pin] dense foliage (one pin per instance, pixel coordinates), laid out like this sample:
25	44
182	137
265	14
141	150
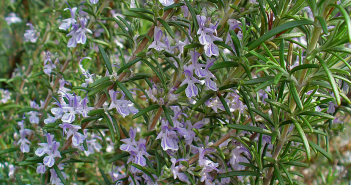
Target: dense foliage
174	91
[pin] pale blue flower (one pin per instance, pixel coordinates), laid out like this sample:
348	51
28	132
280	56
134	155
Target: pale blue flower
123	107
157	44
169	138
166	2
66	23
81	37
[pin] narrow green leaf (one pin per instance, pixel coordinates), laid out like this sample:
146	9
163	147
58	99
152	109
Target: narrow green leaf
100	42
141	10
276	31
250	128
180	89
166	26
303	66
149	133
236	42
125	90
115	124
145	171
173	6
59	174
90	118
18	178
118	157
303	138
110	127
202	100
220	43
193	14
295	163
190	46
346	17
323	24
138	15
158	161
321	150
317	114
278	104
130	30
89	12
263	115
331	80
30	178
105	59
104	176
146	110
307	123
168	116
295	95
9	150
281	54
239	173
224	103
258	80
277	78
287	173
159	75
96	112
25	110
223	65
106	30
278	174
128	65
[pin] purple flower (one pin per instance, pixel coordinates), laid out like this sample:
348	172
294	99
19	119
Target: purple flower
123	107
207	166
81	37
92	144
83	109
130	143
235	103
72	42
238	157
41	169
54	179
77	138
68	22
34	114
119	175
31	34
23	141
5	95
206	36
168	44
157	44
186	130
51	149
191	89
12	18
140	152
48	67
185	10
199	71
169	139
263	93
176	170
166	2
331	107
216	104
94	1
210	47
